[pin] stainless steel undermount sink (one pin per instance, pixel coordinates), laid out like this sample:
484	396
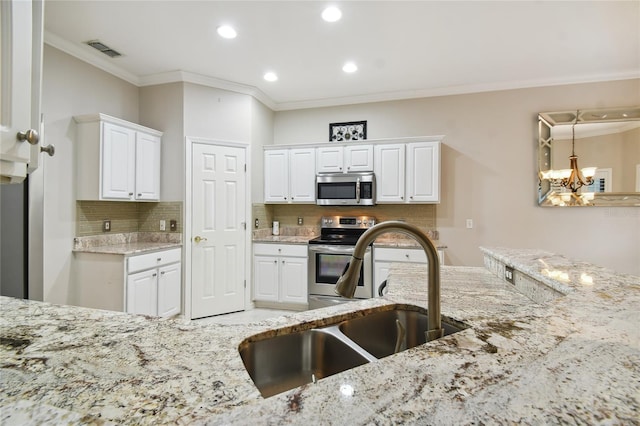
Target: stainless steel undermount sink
286	361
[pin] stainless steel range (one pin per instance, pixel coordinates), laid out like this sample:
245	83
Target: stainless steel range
329	255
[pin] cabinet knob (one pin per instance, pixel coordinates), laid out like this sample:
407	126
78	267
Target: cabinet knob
275	261
139	195
407	256
402	197
155	275
30	136
411	197
131	194
162	273
159	259
283	262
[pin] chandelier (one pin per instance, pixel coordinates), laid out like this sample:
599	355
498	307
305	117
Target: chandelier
572	178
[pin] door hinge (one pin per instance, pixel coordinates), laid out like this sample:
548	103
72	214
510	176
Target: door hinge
245	167
244	225
245	283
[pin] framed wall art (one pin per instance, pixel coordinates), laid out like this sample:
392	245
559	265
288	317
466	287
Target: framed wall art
347	132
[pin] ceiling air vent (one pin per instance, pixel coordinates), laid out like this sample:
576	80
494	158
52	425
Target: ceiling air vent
103	48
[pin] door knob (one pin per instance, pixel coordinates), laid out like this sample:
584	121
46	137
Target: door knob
30	136
198	238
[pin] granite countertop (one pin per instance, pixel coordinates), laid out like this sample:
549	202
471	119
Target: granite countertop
573	359
127	243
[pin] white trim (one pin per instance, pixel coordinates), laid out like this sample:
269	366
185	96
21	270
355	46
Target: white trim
90	55
86	54
408	139
186	234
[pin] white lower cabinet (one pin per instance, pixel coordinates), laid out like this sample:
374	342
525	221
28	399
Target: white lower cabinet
149	284
280	275
153	283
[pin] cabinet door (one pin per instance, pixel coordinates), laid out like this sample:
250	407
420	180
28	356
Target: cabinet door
118	162
20	79
147	167
390	173
423	172
169	290
302	175
265	278
359	158
142	293
293	279
330	159
276	175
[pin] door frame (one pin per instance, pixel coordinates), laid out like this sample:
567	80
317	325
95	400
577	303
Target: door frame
186	232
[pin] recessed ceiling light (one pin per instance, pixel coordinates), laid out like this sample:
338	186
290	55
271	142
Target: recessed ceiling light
331	14
350	67
270	76
225	31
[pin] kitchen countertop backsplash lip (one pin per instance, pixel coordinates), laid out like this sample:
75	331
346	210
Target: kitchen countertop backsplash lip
302	235
127	243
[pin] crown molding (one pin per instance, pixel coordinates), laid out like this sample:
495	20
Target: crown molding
189	77
454	90
86	54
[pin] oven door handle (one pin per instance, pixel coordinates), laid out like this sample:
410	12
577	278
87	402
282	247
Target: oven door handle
334	249
358	190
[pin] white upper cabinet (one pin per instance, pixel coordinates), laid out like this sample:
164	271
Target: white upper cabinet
423	172
390	173
408	173
289	175
20	84
345	159
117	160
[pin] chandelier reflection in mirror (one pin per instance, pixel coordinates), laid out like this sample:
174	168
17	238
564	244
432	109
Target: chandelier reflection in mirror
572	178
608	138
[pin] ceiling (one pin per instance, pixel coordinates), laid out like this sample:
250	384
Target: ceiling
402	49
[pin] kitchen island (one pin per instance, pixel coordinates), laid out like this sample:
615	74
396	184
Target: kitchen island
572	358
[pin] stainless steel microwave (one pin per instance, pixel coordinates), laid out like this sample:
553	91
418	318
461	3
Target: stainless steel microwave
346	189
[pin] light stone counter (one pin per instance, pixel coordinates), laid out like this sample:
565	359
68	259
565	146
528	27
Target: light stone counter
130	243
574	359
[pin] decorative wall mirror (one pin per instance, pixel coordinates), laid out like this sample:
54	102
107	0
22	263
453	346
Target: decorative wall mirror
589	157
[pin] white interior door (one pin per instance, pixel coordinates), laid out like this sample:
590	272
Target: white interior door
218	230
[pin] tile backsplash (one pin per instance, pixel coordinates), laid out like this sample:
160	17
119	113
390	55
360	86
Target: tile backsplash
421	215
126	216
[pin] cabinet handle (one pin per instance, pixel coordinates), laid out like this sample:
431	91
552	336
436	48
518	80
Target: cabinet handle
275	261
131	194
155	275
162	273
139	195
159	259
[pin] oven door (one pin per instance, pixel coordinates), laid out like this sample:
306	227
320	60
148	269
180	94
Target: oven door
326	264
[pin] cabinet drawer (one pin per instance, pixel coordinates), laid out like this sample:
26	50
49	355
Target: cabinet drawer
296	250
400	255
152	260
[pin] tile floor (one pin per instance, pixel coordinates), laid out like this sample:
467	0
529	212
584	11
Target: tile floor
244	317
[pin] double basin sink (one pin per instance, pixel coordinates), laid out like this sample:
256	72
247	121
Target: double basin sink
277	364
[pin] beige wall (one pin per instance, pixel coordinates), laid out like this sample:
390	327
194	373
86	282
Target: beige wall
162	108
261	134
489	169
70	87
617	151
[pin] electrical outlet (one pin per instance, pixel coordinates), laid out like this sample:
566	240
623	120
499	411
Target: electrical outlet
300	221
256	224
106	225
469	223
163	225
508	274
173	225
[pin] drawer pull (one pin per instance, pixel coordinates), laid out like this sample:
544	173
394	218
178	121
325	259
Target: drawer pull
159	259
155	275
